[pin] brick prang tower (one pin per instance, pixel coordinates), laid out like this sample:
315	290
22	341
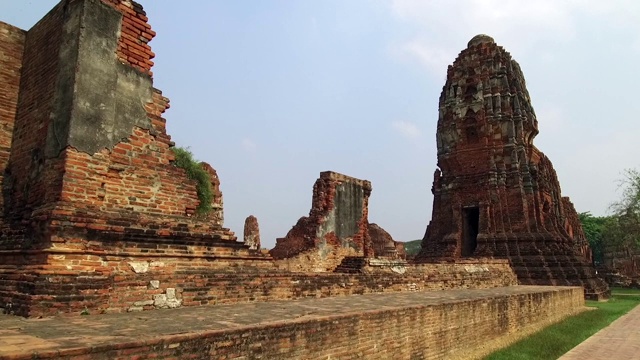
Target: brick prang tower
495	193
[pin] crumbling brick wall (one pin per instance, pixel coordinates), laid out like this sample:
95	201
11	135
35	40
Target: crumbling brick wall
111	173
336	225
89	185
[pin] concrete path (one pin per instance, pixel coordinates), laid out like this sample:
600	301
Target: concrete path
620	340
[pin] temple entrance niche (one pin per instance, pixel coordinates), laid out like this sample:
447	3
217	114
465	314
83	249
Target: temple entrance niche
470	220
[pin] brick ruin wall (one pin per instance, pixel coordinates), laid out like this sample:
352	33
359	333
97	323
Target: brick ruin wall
171	283
120	180
453	330
336	226
621	265
88	180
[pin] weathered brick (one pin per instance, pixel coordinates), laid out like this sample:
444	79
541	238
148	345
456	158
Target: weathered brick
495	193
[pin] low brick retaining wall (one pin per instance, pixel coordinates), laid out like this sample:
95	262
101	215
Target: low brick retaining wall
455	324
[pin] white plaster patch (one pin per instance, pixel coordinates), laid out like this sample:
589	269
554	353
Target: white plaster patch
475	268
167	300
143	303
139	267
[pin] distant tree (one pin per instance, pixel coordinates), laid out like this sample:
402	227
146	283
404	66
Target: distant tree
593	227
412	247
621	231
618	233
626	211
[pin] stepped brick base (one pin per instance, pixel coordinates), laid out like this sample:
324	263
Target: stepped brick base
119	284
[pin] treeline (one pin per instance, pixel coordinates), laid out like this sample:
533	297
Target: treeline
619	233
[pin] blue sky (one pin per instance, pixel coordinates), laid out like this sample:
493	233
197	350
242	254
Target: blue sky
271	93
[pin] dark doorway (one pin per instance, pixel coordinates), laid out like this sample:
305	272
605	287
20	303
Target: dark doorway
471	220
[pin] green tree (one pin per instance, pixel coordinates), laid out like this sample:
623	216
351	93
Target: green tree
618	233
626	211
593	227
621	232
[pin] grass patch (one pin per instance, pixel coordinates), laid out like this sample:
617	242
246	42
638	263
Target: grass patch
194	170
556	340
625	291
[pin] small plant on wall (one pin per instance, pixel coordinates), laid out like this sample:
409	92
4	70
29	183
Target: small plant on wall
195	171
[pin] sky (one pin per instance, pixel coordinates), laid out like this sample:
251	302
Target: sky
271	93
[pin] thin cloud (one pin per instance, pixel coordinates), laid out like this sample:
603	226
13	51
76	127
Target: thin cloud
499	18
248	145
551	117
407	129
519	26
434	59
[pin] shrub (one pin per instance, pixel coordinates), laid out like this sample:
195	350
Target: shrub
195	171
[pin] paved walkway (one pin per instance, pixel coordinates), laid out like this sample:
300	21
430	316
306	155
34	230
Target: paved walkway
24	336
620	340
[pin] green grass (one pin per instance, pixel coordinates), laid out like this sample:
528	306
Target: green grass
556	340
625	291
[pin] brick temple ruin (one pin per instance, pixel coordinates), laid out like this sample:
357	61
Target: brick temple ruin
97	219
337	229
90	194
495	193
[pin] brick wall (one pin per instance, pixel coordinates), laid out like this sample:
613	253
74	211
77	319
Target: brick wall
102	284
56	187
11	50
324	258
337	222
452	330
131	184
90	182
136	33
29	181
